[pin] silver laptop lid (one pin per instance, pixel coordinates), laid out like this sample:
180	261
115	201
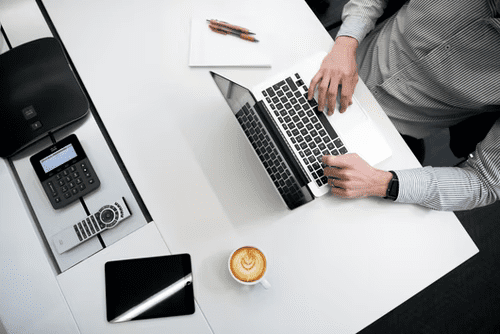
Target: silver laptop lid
268	144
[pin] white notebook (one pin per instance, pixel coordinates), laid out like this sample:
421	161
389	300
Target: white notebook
211	49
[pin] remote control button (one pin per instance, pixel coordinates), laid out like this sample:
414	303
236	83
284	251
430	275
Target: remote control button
91	181
58	176
65	172
82	231
120	209
87	174
71	184
83	165
75	175
82	186
64	189
98	219
90	225
92	219
68	178
107	215
57	200
78	181
74	191
86	228
61	183
78	233
67	195
72	168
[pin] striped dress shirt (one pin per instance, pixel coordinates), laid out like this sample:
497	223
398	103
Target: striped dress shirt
431	65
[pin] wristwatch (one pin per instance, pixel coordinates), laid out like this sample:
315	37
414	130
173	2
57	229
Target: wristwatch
393	187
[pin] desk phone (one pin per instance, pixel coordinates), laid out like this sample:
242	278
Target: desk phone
65	172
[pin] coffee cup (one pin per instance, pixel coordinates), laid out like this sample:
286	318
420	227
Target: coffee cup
248	266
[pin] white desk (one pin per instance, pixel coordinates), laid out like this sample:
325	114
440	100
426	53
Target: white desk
334	265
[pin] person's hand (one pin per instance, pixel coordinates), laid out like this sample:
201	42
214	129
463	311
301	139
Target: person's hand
338	68
352	177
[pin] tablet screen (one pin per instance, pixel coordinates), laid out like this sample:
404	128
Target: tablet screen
131	282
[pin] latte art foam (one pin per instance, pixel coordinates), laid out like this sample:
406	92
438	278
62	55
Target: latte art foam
248	264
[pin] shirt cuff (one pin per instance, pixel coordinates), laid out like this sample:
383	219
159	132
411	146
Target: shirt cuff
355	26
413	185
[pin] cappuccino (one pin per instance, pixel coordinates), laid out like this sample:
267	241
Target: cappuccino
248	264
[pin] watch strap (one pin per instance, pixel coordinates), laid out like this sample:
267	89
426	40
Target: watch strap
393	187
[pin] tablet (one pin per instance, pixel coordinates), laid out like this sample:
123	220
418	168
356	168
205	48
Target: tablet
147	288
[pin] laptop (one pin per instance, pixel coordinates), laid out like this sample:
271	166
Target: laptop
289	135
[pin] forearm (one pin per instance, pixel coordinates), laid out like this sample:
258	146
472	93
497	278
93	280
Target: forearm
445	188
474	184
381	183
348	43
359	17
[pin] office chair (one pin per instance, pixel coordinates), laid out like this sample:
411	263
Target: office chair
465	135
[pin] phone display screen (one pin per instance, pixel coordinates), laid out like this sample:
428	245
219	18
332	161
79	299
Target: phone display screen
58	158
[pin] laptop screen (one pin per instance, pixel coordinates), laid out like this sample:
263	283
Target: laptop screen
266	141
235	95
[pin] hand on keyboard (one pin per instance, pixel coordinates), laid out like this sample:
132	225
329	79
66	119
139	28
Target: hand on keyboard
352	177
338	68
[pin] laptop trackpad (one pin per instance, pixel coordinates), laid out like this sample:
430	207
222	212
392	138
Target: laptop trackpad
353	116
360	134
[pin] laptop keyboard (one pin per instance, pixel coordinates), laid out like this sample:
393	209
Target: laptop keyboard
299	118
272	160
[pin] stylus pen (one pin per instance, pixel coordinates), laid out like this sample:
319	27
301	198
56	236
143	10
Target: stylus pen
154	299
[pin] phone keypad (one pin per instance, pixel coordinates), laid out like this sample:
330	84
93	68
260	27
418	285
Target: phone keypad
71	183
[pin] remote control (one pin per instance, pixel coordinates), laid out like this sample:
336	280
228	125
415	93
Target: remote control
106	218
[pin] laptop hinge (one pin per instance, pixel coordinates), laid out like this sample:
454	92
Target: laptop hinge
284	147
